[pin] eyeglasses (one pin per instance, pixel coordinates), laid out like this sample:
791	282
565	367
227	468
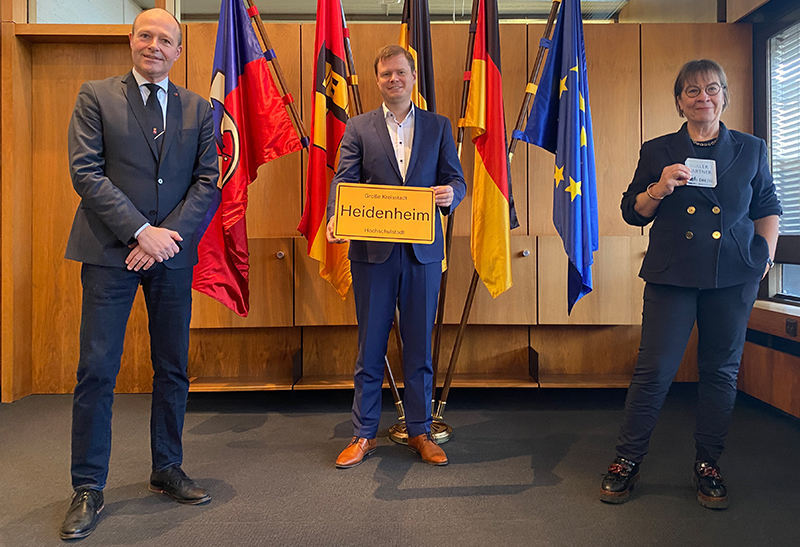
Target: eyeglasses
711	89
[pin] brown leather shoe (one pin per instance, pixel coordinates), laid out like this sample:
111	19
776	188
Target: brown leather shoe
355	452
430	451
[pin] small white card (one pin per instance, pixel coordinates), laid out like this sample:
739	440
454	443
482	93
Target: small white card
704	172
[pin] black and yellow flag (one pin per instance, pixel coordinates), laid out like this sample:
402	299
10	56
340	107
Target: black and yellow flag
415	36
329	113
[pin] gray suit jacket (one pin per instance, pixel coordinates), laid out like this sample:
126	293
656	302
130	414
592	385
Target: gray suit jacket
116	170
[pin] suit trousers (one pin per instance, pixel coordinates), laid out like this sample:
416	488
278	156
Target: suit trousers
413	287
108	295
669	314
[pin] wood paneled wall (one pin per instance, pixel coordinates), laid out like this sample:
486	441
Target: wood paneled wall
669	11
14	11
295	314
16	144
729	45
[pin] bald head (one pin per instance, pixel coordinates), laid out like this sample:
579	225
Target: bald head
160	13
155	43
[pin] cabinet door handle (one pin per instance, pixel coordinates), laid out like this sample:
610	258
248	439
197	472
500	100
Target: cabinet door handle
526	252
280	254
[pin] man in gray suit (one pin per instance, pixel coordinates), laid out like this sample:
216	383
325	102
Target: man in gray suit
144	162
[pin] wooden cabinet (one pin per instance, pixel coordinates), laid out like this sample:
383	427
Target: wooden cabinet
316	302
616	298
516	306
271	290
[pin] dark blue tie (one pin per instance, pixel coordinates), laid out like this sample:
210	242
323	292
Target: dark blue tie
155	115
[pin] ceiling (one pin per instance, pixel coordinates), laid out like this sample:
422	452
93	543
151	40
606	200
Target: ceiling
390	10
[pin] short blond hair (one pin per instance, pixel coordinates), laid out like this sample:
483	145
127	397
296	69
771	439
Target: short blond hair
387	52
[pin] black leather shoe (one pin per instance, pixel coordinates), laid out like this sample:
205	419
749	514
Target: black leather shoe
173	482
83	514
618	482
711	492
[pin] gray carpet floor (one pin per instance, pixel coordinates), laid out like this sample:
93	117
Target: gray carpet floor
525	470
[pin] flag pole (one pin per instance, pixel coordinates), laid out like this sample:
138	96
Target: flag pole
437	343
440	431
352	78
352	82
529	93
270	56
530	89
437	413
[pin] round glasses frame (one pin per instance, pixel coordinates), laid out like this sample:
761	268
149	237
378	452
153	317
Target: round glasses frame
693	91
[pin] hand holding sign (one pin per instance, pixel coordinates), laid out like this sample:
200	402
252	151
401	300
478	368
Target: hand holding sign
443	195
329	232
704	172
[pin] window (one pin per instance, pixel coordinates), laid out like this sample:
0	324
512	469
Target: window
784	139
784	124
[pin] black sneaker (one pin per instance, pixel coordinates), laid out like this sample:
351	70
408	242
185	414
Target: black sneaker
711	492
83	514
174	483
618	482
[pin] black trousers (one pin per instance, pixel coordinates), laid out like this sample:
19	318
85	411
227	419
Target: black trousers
108	295
669	314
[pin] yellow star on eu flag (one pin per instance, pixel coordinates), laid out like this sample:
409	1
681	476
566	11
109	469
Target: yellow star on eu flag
559	176
574	189
563	86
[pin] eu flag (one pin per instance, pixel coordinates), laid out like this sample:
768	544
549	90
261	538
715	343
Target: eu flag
561	122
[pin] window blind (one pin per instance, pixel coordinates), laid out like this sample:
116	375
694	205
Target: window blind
784	119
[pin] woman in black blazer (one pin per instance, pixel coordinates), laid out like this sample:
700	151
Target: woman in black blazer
709	248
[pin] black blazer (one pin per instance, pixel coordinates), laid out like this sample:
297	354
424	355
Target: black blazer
704	237
367	156
122	184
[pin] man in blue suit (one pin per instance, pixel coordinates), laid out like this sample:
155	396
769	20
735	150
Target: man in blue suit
396	144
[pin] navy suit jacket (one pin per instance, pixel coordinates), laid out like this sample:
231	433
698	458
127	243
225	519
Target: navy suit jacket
367	156
123	184
683	249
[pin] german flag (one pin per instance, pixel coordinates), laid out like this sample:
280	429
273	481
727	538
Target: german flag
415	36
492	206
330	110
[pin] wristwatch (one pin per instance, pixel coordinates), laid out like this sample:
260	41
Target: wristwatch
770	263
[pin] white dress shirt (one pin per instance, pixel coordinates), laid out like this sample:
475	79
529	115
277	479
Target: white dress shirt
402	135
163	85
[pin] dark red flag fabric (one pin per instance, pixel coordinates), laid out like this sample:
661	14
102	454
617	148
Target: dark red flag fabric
251	127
